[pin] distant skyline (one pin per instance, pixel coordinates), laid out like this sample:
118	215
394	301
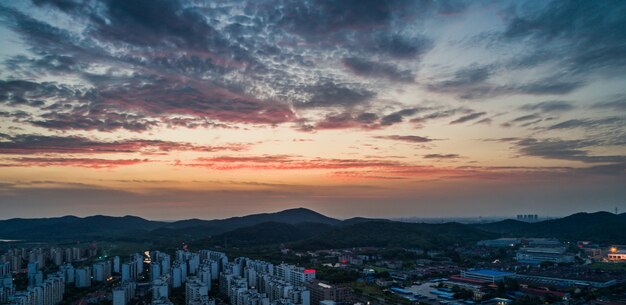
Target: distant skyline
425	219
191	109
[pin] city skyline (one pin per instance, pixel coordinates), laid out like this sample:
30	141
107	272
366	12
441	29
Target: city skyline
183	109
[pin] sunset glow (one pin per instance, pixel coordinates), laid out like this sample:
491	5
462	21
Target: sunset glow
191	109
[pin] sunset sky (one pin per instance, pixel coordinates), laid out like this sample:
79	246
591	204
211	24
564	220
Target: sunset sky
210	109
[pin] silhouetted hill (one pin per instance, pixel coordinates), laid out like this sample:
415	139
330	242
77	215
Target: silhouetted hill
267	233
355	220
504	226
206	228
310	228
395	234
71	227
603	227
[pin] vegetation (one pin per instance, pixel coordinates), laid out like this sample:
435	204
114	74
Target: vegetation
337	275
602	227
395	234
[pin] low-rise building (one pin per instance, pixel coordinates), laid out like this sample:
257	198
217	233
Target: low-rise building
492	276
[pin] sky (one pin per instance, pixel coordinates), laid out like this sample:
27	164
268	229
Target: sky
172	109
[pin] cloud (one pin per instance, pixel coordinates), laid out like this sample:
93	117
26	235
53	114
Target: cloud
463	78
147	24
525	118
469	117
439	114
618	105
400	47
549	106
411	139
618	122
373	69
74	162
573	150
397	116
580	36
283	162
473	83
335	95
442	156
39	144
361	119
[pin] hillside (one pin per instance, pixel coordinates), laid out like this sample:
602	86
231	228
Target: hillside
395	234
306	228
92	227
267	233
603	227
71	227
201	229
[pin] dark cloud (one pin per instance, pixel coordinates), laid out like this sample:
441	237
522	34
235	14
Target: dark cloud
397	116
581	35
442	156
463	78
412	139
619	105
401	47
604	169
546	87
323	17
23	92
484	121
73	162
525	118
373	69
40	144
145	23
362	120
439	115
549	106
334	95
469	117
558	149
619	122
473	83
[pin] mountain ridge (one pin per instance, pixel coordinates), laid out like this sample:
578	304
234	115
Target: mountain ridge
600	226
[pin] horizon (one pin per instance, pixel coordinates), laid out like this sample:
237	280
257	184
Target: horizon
174	109
399	218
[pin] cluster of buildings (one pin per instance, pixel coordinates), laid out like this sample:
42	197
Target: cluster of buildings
13	260
49	292
528	217
242	281
534	251
50	289
485	282
538	250
41	290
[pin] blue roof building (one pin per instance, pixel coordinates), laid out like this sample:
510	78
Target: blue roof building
486	275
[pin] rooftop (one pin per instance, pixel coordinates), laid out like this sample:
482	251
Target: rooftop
488	272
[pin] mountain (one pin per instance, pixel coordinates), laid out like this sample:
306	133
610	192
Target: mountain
603	227
72	227
395	234
292	216
504	226
305	228
93	227
267	233
356	220
206	228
